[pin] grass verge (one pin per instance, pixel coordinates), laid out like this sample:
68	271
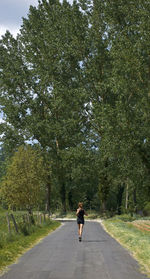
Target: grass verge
92	214
16	245
135	240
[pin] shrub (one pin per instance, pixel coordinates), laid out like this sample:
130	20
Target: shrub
146	209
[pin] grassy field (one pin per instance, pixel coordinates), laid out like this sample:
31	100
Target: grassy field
133	235
13	244
92	214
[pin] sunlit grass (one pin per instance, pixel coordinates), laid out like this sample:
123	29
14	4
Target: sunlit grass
92	214
137	241
13	245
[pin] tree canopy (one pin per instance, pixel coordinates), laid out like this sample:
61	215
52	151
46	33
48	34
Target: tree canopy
76	82
23	185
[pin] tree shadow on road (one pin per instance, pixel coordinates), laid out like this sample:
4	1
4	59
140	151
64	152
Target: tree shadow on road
94	240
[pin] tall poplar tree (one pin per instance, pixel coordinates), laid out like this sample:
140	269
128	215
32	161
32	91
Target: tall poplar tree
117	72
76	81
41	82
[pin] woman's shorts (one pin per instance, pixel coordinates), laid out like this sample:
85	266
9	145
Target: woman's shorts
80	221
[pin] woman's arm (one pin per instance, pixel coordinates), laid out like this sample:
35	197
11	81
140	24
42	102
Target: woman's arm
85	213
77	211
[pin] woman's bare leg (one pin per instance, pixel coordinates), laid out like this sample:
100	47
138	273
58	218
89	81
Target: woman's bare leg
81	229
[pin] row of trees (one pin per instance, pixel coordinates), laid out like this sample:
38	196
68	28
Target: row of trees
75	83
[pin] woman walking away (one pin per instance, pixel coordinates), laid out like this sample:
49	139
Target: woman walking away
80	219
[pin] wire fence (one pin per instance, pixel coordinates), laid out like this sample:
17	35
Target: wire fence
14	224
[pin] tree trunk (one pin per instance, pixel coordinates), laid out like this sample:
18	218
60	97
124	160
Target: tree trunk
127	196
31	218
135	200
8	222
48	198
119	198
103	206
63	196
61	177
70	201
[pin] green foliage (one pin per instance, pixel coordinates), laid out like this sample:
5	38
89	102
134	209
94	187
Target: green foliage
126	218
12	245
118	79
76	80
23	185
146	209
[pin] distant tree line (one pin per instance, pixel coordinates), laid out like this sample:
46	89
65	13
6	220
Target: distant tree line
75	98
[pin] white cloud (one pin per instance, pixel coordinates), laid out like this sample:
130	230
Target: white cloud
11	13
1	119
14	29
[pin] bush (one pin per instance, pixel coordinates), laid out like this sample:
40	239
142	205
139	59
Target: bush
24	228
146	209
2	239
125	217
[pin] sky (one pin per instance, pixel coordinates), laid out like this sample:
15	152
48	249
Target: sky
11	13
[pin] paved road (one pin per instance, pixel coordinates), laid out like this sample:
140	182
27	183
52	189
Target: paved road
61	256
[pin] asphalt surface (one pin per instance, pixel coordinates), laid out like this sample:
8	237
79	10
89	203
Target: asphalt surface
61	256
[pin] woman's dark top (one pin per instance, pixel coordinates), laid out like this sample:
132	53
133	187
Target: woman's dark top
80	217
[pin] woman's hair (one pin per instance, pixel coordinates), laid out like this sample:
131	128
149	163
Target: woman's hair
80	204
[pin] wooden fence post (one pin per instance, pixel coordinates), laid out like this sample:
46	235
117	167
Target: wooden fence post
40	219
14	222
24	219
44	217
8	222
28	219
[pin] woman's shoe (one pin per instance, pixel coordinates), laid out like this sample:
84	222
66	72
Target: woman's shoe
80	238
